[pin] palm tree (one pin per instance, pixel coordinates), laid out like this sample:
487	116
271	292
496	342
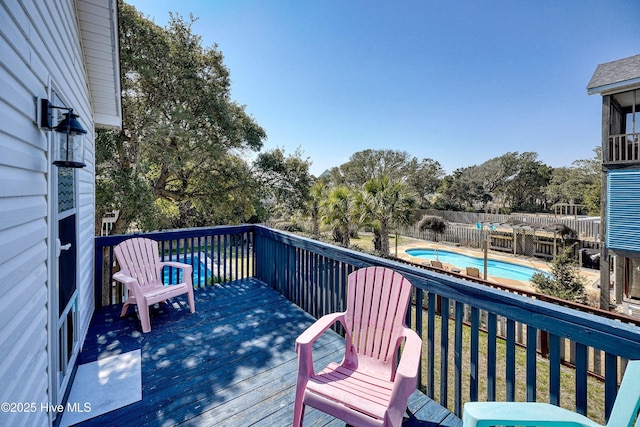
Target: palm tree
316	195
340	212
387	204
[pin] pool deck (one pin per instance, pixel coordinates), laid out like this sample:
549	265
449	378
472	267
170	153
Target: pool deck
592	276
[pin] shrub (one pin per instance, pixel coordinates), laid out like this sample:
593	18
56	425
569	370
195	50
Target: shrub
565	281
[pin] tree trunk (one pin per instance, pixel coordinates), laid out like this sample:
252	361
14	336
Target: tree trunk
384	238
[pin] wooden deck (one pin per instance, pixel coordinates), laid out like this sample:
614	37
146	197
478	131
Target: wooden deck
232	363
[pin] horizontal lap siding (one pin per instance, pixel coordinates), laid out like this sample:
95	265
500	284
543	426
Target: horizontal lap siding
23	230
623	210
38	40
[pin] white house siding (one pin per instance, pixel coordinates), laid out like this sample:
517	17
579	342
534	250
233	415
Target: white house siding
39	46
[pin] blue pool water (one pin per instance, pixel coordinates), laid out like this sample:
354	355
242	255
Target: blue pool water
502	269
201	274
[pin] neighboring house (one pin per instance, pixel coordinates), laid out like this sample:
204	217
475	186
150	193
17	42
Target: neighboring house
619	84
65	51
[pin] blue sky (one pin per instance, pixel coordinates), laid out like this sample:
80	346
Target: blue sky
459	82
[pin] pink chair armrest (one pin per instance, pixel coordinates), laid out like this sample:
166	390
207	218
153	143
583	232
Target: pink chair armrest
123	278
131	283
304	343
410	360
314	331
405	381
176	264
188	269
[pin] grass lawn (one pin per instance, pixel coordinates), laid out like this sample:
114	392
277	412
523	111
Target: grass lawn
595	387
365	242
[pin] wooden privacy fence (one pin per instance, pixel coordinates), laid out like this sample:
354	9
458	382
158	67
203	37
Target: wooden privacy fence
587	228
525	242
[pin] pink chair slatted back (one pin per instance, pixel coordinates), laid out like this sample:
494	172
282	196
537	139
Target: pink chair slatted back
138	257
377	300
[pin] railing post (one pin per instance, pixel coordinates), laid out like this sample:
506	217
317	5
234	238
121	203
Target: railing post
97	276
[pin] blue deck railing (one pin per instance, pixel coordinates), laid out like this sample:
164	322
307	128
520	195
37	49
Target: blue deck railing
225	252
480	343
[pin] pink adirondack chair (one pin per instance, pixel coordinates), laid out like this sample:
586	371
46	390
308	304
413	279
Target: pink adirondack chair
141	272
368	388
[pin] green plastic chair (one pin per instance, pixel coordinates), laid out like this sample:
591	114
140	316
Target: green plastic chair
623	414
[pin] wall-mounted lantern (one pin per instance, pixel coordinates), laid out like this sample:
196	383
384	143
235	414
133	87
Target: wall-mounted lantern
68	144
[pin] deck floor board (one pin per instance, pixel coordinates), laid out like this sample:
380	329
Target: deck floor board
232	363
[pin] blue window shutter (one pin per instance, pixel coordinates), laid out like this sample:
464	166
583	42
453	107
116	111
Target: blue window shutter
623	210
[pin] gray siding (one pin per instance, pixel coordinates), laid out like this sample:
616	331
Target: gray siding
39	45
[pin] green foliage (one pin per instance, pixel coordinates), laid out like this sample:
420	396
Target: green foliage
317	193
340	211
513	180
177	161
524	191
433	223
565	281
291	226
387	204
285	181
592	197
579	184
421	176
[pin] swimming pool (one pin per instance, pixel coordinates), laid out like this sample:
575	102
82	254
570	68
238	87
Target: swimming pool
201	270
496	268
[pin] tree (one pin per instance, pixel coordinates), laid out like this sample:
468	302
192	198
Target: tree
387	204
422	176
565	281
434	223
525	190
284	180
591	168
460	190
176	162
317	194
368	164
512	180
340	211
579	184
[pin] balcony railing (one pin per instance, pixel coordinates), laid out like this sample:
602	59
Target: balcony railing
480	343
623	149
219	254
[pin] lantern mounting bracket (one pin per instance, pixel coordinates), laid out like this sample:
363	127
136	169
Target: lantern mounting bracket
69	126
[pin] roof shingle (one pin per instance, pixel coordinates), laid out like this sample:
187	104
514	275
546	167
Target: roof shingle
618	73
